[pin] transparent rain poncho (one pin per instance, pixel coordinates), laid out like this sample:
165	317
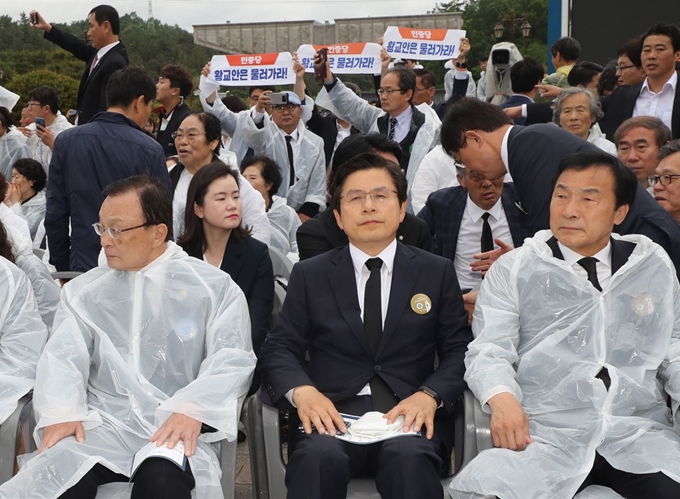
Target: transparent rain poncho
12	148
45	290
543	333
128	350
22	337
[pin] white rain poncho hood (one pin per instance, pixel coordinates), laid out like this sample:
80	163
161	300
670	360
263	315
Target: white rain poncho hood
134	348
22	337
498	84
543	333
45	289
12	148
310	166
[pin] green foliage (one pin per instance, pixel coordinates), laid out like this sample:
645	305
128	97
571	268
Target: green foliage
480	16
66	87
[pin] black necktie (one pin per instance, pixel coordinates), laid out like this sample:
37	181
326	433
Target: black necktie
487	236
291	164
393	128
589	263
383	397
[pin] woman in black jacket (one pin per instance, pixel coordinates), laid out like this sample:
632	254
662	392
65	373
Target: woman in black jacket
215	235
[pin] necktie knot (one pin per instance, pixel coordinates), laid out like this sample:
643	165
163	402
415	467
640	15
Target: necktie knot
289	138
486	216
374	263
590	265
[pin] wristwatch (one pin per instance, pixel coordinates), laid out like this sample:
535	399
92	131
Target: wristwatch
432	394
461	65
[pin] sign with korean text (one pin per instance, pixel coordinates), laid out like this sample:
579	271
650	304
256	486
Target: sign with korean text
344	58
252	69
422	44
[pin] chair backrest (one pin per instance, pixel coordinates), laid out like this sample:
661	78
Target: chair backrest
282	265
279	296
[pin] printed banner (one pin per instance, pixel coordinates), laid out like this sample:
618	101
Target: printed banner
252	69
345	58
422	44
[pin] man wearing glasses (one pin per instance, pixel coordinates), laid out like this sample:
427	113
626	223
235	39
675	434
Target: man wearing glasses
666	181
298	152
371	315
155	350
482	137
87	158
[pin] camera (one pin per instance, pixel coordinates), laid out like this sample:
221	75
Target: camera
279	98
500	57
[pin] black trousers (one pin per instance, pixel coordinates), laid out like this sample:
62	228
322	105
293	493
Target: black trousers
631	485
408	467
156	478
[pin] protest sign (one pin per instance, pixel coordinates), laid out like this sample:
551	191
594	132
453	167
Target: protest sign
252	69
422	44
345	58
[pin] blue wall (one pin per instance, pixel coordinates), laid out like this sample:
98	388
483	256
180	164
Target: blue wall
554	27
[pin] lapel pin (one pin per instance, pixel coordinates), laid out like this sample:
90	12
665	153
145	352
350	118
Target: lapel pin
421	304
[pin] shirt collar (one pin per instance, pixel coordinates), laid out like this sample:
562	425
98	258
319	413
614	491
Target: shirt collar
295	134
476	212
359	258
672	83
504	149
405	116
571	257
102	51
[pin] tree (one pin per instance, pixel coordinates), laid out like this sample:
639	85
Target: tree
67	88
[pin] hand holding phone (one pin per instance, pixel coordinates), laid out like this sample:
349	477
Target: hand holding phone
320	69
40	122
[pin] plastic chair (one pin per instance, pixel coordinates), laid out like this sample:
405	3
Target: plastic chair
472	435
19	424
65	274
282	265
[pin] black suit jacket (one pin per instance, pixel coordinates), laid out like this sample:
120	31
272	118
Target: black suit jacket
619	106
534	153
325	127
321	316
443	212
248	264
164	137
322	234
92	89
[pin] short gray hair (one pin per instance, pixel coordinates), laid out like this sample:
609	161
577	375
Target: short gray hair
595	106
669	149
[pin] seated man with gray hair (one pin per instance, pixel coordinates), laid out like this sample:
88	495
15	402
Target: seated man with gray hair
666	179
151	350
577	110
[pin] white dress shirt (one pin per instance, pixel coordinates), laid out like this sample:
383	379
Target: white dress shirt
102	52
658	105
403	124
361	274
470	239
603	265
505	157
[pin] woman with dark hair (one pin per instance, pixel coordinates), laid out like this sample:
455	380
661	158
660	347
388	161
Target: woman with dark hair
214	234
264	175
7	216
198	143
26	193
12	143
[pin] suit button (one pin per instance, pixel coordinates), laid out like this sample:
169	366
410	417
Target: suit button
377	368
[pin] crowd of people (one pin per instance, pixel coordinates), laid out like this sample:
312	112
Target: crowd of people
528	251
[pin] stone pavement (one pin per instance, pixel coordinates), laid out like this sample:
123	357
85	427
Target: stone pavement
243	488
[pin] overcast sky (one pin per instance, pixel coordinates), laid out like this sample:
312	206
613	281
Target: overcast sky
188	12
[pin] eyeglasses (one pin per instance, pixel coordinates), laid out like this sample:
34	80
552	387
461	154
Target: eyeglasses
621	68
389	91
254	98
31	104
113	232
378	195
662	179
284	107
189	135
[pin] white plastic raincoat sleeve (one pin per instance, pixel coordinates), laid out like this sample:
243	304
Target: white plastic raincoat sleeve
33	211
224	375
45	289
22	337
436	171
254	213
348	106
669	372
492	355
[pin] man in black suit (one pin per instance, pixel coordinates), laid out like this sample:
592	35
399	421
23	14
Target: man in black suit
106	55
174	85
524	76
373	316
659	94
483	138
466	220
321	234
